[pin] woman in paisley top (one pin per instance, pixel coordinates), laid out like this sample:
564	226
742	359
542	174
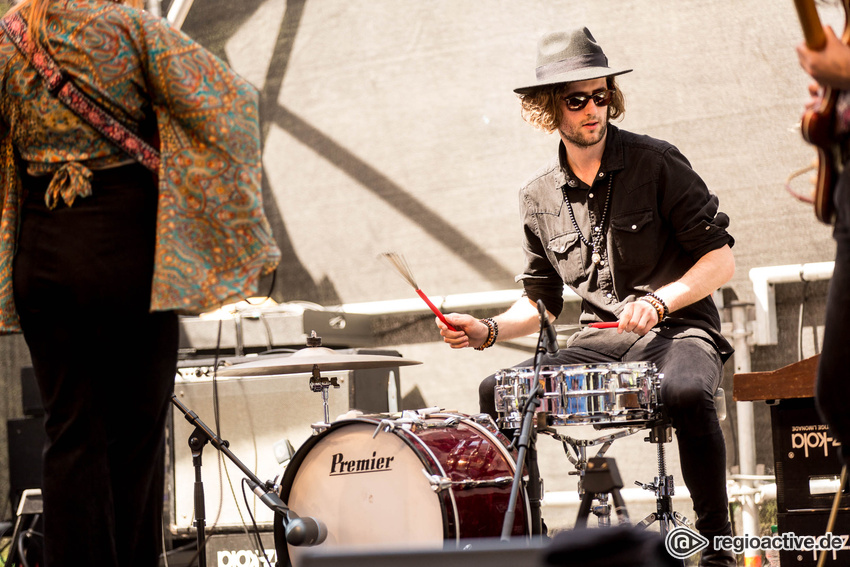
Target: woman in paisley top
99	253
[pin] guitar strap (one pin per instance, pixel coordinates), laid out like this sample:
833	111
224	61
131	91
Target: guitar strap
61	85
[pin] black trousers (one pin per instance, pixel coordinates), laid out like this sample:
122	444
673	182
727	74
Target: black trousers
832	393
692	372
104	364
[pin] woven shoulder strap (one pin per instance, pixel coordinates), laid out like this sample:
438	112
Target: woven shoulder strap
61	85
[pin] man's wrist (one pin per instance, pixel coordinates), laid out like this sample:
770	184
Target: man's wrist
492	333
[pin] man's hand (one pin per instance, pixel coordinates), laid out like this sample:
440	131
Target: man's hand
637	317
470	331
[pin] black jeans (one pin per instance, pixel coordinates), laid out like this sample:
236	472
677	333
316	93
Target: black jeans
692	371
833	380
105	367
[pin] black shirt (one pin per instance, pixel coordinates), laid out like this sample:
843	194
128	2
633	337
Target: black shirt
661	219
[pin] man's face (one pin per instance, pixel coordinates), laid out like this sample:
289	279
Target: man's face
588	126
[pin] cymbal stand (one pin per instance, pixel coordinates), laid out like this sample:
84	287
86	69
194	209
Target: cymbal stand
661	433
318	383
580	461
197	440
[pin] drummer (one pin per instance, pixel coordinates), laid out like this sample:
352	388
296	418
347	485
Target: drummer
630	227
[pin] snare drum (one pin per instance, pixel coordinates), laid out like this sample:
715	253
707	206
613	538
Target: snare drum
417	480
618	393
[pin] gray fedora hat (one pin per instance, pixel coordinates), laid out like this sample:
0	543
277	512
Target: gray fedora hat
565	57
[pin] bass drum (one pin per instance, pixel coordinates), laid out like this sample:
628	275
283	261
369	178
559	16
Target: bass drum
425	479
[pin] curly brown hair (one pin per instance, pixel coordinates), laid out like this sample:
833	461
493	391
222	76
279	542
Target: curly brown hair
540	107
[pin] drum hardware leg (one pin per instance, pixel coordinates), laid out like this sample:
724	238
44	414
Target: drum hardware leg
602	477
663	487
197	440
602	511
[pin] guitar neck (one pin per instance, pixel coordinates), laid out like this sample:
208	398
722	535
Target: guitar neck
810	22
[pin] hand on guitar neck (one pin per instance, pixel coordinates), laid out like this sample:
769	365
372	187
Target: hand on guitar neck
826	58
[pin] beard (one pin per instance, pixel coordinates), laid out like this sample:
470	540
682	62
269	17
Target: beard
576	136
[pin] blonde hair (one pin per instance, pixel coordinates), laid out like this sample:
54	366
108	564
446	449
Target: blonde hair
541	107
36	14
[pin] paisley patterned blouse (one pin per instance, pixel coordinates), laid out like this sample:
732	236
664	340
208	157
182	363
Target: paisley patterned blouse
213	239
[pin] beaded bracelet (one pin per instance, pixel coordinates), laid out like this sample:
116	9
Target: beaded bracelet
659	308
661	301
492	333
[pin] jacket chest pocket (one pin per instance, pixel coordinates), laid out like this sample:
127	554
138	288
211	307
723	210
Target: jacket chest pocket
566	254
635	239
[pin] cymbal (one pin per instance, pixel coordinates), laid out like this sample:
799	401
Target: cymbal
327	360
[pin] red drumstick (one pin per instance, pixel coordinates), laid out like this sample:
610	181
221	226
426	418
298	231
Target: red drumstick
398	262
606	325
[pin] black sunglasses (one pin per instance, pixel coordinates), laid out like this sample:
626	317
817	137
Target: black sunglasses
600	98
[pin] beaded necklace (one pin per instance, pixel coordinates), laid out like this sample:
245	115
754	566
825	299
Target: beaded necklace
597	235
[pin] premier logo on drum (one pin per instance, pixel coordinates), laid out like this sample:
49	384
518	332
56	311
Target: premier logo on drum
340	466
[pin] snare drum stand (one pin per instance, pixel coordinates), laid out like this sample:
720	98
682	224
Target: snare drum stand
587	490
659	434
602	477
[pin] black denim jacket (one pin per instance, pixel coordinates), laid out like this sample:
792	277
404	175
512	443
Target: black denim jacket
661	219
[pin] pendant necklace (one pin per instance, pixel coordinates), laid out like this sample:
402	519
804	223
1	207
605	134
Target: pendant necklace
597	237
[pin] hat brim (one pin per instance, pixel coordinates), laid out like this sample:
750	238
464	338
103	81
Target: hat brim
585	74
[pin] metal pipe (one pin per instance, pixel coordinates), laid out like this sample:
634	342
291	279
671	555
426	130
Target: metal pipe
154	8
461	302
178	12
746	429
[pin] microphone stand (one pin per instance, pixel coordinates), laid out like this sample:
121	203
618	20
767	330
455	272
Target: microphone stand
525	436
200	437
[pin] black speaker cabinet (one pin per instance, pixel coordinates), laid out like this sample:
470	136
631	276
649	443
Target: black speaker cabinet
806	454
814	524
26	443
241	549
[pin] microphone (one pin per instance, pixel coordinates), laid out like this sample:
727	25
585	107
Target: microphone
305	531
545	325
299	531
267	497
